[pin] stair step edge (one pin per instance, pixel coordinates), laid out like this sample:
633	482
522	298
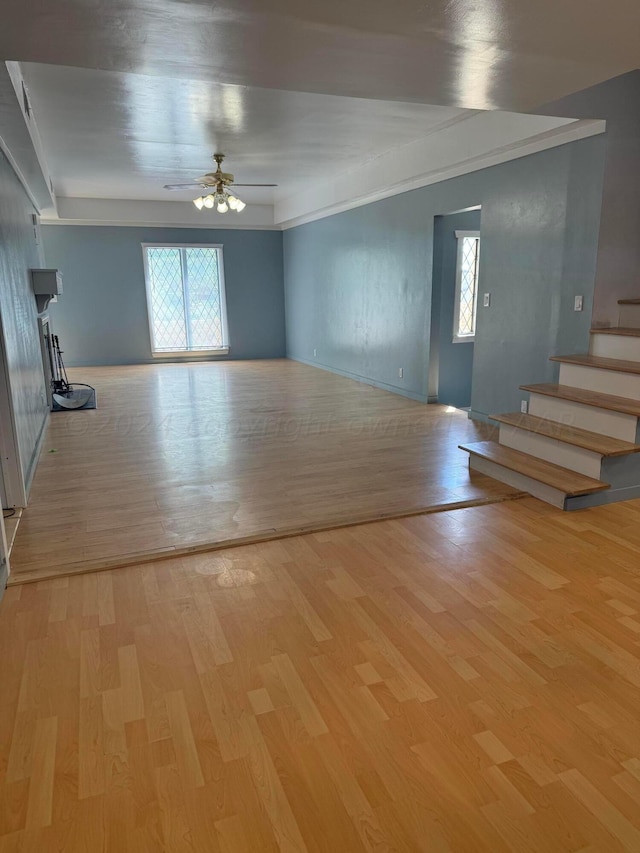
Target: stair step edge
574	436
563	480
619	365
621	331
609	402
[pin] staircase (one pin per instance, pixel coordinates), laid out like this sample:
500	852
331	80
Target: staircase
579	444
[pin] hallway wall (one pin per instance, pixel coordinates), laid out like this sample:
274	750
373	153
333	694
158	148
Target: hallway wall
618	259
358	284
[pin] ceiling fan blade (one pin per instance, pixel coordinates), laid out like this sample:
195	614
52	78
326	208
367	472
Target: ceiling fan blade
184	186
254	185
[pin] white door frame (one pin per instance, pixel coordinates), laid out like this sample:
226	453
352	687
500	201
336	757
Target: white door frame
15	494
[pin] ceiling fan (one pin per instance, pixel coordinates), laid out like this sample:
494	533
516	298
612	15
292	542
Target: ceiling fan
219	182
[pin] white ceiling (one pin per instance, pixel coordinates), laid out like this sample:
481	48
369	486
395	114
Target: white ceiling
116	135
481	54
131	94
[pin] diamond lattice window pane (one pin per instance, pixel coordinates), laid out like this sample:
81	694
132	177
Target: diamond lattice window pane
186	300
468	286
165	284
205	309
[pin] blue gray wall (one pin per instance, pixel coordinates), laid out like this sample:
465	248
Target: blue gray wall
19	252
358	285
450	363
101	318
618	259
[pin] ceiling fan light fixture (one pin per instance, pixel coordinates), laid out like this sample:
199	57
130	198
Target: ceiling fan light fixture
219	183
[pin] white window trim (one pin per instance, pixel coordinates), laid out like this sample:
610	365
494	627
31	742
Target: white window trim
463	339
188	354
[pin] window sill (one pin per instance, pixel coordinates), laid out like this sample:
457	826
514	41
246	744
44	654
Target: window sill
192	354
467	339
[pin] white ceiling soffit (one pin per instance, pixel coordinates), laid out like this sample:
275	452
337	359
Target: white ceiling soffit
114	135
478	54
20	141
441	156
482	140
121	137
167	214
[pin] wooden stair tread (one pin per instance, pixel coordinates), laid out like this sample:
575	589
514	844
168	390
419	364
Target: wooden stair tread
624	331
587	398
619	364
593	441
568	482
628	301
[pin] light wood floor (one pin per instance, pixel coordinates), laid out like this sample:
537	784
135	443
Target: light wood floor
467	681
180	455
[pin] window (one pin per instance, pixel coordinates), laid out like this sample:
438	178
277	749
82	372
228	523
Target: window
466	304
185	299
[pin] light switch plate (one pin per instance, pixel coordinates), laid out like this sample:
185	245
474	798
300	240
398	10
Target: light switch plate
486	300
577	303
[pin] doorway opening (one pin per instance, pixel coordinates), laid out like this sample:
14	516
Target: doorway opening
456	256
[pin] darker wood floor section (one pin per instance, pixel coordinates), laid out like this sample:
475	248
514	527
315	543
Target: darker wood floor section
467	681
183	455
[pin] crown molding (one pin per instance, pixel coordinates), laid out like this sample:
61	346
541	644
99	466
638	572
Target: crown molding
137	224
363	179
20	140
447	152
127	213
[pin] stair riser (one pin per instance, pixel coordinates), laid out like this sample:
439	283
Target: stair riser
623	474
604	381
610	496
629	316
615	346
518	481
551	450
614	424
